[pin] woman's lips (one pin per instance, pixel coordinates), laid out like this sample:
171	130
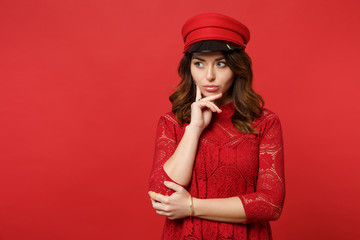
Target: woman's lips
211	88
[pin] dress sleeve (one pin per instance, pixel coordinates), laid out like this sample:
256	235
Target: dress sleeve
165	145
266	203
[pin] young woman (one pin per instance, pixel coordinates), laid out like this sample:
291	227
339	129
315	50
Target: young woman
218	168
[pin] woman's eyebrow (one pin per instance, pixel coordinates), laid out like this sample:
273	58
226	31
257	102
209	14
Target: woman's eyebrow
198	58
220	58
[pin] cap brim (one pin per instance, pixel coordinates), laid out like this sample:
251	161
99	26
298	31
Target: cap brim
212	46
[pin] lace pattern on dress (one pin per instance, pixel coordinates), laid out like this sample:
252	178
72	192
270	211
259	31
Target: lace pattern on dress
228	163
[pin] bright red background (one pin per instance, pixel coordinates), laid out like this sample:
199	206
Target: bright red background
83	83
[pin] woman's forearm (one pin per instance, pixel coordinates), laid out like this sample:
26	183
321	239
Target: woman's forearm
179	166
220	209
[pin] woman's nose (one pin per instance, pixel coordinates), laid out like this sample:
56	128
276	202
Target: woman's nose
210	75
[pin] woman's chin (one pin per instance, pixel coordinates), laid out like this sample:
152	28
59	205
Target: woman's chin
208	94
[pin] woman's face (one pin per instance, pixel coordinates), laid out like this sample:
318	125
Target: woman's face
212	75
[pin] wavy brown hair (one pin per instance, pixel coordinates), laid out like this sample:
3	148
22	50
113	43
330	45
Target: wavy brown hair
248	104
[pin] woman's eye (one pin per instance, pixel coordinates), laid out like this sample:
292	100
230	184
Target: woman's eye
221	64
198	64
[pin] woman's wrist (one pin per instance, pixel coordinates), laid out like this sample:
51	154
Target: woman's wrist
194	130
194	201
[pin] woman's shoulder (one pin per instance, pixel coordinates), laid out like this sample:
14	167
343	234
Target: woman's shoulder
267	113
267	116
169	118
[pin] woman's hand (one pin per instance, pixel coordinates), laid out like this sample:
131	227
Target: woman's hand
202	108
175	206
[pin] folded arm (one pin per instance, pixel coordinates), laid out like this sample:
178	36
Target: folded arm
178	206
264	204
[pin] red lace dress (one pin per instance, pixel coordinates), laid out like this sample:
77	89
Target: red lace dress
228	163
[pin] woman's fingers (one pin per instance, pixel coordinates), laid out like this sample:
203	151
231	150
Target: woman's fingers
156	205
158	197
212	97
204	101
161	213
173	186
201	109
212	106
152	195
198	93
160	207
174	206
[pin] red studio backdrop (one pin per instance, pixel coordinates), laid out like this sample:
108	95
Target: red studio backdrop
83	84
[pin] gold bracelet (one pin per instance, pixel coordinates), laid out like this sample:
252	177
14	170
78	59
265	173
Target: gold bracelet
191	207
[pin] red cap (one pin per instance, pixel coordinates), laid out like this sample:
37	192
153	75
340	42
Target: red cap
214	26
